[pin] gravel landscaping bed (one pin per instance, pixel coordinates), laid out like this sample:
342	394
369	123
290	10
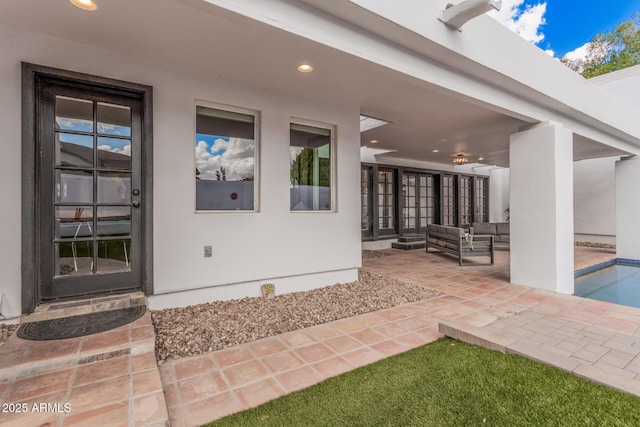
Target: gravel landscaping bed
6	331
596	245
189	331
370	254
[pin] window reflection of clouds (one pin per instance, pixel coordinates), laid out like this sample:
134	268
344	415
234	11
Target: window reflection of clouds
114	145
235	155
110	129
80	125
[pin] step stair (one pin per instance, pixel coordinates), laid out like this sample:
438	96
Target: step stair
410	242
59	309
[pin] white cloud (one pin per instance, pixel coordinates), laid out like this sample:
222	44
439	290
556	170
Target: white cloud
219	144
579	54
126	149
526	23
74	124
236	156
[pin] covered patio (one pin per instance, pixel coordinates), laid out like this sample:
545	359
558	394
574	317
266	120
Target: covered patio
473	298
603	346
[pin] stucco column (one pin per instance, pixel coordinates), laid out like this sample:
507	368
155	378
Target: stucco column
498	194
541	207
628	208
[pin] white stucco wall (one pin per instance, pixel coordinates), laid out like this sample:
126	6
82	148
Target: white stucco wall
595	180
541	209
311	249
628	208
499	195
623	85
594	200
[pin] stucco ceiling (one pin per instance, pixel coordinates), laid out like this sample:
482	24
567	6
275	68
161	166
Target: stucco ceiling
200	38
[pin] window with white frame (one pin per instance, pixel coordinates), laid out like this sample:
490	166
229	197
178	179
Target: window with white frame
226	152
311	167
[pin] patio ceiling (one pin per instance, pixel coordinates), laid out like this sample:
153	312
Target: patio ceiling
200	38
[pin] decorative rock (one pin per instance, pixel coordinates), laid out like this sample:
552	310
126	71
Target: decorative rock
6	331
189	331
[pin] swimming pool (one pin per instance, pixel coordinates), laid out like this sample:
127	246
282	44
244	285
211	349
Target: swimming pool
618	283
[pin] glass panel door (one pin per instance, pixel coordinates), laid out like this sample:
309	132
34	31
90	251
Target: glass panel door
409	203
465	201
480	200
427	201
365	201
90	191
386	202
418	197
448	200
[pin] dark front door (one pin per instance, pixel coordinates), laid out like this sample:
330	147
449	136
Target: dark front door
89	190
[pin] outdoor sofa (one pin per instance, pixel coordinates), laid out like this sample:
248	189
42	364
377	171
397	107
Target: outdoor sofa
500	230
456	241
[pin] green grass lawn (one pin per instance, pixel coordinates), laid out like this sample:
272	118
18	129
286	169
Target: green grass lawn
448	383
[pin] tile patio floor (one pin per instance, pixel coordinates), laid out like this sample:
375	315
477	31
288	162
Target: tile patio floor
203	388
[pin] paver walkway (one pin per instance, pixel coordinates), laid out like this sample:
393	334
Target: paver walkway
106	379
203	388
478	300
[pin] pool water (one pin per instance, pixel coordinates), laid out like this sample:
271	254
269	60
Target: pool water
619	284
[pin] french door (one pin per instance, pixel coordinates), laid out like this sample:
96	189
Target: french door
90	192
418	202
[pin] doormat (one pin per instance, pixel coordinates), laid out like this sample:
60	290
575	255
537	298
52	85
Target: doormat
79	326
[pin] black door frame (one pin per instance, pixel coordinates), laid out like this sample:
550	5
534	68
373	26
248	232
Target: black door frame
420	226
414	208
30	209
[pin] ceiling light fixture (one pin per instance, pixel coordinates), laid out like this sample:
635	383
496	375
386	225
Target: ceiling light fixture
374	141
480	159
84	4
305	68
460	159
435	151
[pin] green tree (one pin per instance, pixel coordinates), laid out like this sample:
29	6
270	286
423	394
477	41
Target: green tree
610	51
302	169
221	175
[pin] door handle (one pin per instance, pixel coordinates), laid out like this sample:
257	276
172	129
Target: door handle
135	204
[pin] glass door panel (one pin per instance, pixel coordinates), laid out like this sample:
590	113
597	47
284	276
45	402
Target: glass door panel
365	195
427	201
386	202
465	201
409	203
448	200
90	191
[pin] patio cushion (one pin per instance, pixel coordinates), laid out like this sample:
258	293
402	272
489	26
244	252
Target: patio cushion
434	228
455	231
481	246
503	239
484	228
502	228
453	246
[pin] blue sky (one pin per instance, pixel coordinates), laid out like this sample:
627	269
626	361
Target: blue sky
562	26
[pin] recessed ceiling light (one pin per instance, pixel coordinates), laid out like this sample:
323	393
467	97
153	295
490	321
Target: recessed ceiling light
305	68
435	151
84	4
374	141
480	158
